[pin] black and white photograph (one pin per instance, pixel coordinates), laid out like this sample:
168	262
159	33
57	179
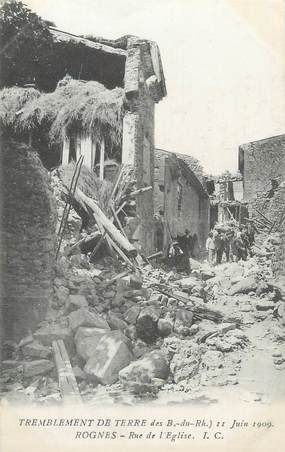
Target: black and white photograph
142	216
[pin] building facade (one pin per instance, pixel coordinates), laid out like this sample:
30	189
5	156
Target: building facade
262	164
180	200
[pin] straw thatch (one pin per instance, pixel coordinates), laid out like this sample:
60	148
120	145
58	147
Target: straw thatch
75	105
87	107
12	100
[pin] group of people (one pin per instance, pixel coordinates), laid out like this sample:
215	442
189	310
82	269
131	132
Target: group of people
230	242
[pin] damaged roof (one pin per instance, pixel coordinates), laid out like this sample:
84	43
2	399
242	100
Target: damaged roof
63	36
184	163
119	47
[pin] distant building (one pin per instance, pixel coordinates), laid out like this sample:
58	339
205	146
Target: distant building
180	200
226	199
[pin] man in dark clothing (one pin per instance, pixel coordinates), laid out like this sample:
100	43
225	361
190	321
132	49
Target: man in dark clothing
219	242
251	230
239	247
184	242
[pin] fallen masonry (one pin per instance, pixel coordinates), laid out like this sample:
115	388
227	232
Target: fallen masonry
122	327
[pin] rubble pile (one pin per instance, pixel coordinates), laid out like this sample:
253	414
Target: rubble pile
143	331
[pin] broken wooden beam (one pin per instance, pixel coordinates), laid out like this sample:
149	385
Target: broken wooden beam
137	192
115	217
261	223
83	240
200	312
107	224
66	379
263	216
121	207
114	279
116	184
119	251
155	255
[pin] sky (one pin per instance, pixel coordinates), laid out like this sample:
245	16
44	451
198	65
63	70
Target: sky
224	64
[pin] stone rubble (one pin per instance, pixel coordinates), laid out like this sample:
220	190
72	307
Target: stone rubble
127	336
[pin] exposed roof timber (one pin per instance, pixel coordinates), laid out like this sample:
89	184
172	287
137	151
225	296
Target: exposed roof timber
156	67
63	36
120	43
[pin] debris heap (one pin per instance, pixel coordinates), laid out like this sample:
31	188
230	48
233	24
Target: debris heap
120	328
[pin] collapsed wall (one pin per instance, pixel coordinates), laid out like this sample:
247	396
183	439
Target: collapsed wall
27	240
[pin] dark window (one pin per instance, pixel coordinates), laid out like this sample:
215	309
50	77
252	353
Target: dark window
210	185
72	148
200	207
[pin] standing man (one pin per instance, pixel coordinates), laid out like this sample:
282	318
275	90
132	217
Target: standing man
251	230
219	245
184	242
239	247
211	249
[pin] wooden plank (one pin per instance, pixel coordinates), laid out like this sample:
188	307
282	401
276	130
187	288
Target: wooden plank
153	256
83	240
230	213
107	224
117	220
117	183
119	251
112	280
67	382
121	207
137	192
263	216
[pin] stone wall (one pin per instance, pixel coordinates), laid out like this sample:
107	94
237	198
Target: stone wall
194	213
172	180
262	162
138	135
275	210
27	239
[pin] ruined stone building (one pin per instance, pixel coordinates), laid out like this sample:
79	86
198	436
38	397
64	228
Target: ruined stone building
226	199
262	164
138	69
128	75
180	200
131	66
